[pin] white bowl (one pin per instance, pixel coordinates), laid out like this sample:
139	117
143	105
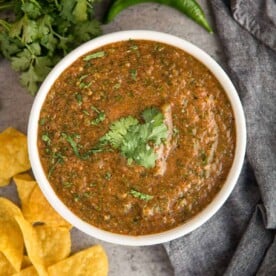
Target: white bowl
194	222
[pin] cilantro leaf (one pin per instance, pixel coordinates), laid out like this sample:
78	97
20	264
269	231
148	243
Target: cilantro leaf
140	195
25	28
136	141
8	45
145	156
67	8
118	130
80	11
22	60
31	8
98	119
39	33
86	30
153	116
43	66
35	48
94	55
30	80
158	133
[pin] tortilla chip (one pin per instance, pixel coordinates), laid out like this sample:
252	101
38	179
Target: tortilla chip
32	244
13	154
35	207
26	262
25	185
29	271
92	261
5	267
39	210
55	243
11	239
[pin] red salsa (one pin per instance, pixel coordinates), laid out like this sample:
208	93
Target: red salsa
136	137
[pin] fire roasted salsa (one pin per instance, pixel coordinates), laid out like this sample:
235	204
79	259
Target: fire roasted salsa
136	137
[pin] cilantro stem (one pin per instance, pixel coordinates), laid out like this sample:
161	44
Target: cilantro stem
75	147
72	143
6	6
57	4
5	24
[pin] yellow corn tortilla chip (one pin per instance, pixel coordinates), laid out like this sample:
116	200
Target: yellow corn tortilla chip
39	210
32	244
11	239
25	185
92	261
29	271
5	267
55	243
35	207
13	154
26	262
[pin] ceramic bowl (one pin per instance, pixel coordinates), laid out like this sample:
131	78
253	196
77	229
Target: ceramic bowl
194	222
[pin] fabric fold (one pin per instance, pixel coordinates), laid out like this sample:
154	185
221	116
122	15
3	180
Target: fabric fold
252	247
258	17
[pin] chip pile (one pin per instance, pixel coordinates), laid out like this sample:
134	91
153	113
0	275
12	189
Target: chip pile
35	240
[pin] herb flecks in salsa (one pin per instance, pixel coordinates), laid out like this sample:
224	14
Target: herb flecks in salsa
147	144
140	195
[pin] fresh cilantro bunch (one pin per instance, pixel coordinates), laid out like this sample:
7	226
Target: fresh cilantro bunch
41	32
137	141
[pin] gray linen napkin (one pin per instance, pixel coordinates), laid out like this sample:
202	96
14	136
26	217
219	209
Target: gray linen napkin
240	238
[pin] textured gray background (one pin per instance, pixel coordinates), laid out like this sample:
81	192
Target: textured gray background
15	105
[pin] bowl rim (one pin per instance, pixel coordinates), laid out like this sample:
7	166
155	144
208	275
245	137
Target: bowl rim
192	223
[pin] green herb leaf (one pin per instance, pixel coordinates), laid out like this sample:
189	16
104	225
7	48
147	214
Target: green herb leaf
45	137
39	33
118	130
57	158
94	55
22	60
80	10
85	112
32	9
117	85
84	31
140	195
84	85
78	98
135	140
67	184
133	74
42	122
72	143
100	117
9	46
108	176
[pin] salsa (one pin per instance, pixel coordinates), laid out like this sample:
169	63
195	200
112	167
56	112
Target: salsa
136	137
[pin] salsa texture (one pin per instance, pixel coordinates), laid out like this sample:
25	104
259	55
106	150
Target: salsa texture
188	162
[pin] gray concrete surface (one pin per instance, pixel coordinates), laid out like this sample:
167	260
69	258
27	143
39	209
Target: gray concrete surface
124	261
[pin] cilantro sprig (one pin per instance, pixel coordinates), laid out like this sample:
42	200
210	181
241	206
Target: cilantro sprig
40	32
135	140
140	195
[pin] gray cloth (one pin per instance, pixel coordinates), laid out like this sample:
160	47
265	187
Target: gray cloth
258	17
238	240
